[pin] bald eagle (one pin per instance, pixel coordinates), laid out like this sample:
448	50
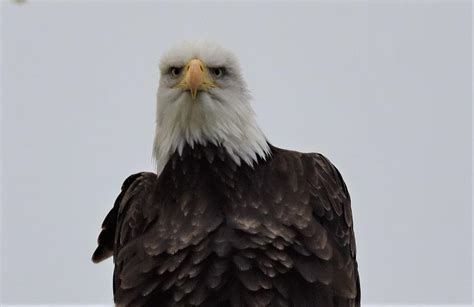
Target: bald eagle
228	219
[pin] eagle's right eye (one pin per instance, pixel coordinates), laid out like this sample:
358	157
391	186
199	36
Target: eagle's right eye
175	71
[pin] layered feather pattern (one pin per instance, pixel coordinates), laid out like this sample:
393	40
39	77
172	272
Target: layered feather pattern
210	232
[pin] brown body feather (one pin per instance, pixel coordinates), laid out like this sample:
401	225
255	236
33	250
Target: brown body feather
208	232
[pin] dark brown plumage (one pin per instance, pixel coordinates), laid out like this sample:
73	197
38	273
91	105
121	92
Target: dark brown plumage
208	232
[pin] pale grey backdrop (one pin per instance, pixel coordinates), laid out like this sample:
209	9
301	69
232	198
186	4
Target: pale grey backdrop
381	88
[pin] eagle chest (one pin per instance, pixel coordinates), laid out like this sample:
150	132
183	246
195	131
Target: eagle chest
201	198
208	195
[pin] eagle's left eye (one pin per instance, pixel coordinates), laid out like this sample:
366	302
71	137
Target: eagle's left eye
218	71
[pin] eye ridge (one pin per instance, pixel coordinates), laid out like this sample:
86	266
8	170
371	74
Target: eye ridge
175	71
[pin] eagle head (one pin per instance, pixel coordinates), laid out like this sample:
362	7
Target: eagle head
202	98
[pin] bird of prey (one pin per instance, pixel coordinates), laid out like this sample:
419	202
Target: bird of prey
228	219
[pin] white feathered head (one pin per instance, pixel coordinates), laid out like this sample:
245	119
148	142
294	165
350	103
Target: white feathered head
203	98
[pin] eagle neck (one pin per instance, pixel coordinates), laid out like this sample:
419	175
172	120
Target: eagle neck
208	162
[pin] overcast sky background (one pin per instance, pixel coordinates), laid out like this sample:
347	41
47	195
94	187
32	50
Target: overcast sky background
382	89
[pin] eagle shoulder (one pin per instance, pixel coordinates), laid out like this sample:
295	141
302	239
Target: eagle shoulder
309	194
328	184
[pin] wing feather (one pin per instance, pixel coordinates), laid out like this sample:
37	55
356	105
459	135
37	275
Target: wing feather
330	192
107	235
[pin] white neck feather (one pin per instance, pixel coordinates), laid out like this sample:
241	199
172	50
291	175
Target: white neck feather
214	118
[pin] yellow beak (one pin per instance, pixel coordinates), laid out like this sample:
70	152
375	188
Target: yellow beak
196	78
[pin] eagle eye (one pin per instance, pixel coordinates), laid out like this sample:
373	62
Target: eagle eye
218	71
175	71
